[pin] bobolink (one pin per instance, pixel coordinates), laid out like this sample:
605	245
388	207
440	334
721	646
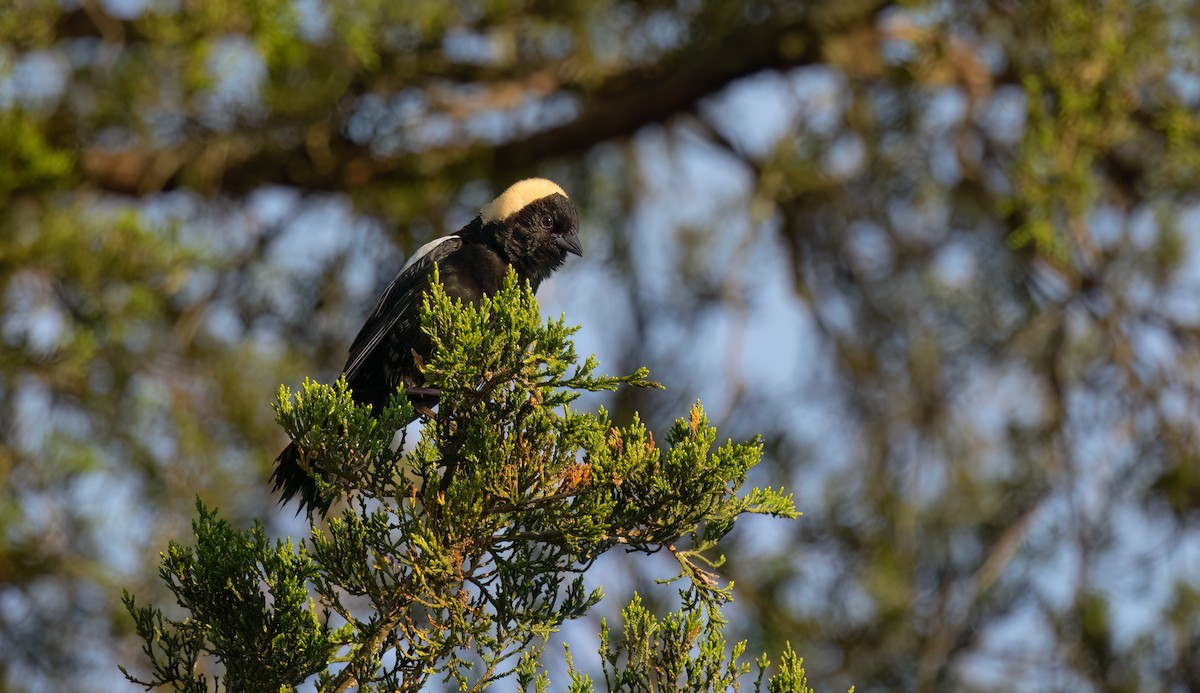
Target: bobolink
530	227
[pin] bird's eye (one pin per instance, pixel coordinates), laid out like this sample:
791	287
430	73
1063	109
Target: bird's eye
546	221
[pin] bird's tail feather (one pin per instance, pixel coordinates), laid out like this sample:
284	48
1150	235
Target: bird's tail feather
291	478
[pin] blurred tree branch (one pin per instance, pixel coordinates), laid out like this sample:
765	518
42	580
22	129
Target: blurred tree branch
615	107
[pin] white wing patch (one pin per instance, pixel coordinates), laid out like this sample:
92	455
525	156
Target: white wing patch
425	250
517	196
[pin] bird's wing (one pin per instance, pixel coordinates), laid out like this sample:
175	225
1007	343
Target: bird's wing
399	300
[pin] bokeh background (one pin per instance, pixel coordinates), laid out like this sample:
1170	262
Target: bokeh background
943	256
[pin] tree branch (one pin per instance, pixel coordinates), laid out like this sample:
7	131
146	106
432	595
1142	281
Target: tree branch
617	108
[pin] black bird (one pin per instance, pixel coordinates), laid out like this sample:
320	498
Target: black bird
531	227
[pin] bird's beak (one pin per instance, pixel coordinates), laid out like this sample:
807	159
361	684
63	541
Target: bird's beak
570	243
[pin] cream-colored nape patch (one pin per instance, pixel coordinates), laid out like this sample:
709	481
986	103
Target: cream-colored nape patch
517	196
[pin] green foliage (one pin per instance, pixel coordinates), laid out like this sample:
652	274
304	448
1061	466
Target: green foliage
342	442
1078	83
466	554
27	160
656	653
266	640
683	651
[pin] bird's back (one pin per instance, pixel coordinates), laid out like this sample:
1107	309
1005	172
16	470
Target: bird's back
386	353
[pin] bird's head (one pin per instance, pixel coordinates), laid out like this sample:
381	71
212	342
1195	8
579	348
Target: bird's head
534	224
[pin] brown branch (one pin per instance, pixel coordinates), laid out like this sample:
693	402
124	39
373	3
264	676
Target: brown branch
615	109
937	647
630	101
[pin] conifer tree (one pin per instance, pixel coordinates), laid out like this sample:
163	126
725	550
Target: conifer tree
456	560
